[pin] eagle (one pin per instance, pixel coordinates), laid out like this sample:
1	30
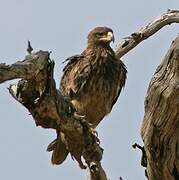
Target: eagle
93	80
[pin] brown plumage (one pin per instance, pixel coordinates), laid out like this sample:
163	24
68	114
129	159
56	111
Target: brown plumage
93	80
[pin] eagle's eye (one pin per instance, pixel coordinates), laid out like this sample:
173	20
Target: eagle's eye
100	33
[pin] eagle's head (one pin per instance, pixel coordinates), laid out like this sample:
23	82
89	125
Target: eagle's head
100	35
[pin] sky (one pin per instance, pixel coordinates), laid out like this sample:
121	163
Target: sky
62	27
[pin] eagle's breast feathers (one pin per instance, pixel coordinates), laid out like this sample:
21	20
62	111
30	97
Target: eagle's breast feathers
94	80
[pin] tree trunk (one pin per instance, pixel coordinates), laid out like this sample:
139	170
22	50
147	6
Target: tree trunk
160	128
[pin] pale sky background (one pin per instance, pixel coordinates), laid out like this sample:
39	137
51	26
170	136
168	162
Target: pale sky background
61	27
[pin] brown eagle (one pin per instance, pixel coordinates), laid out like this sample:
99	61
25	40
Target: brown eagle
93	80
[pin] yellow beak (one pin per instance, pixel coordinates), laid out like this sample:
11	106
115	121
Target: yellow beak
109	37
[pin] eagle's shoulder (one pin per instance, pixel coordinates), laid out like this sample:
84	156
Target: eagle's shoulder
71	61
74	74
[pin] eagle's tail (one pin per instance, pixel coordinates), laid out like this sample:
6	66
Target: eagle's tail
59	151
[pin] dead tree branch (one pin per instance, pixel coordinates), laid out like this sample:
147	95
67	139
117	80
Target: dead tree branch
130	42
37	92
26	69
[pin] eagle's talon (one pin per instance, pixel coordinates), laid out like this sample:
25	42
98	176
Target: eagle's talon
79	116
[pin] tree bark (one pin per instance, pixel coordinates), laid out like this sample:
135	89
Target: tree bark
160	128
37	92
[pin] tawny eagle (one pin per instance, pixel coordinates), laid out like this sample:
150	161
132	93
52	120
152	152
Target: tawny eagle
93	80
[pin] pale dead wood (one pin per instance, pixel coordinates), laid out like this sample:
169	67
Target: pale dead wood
130	42
160	128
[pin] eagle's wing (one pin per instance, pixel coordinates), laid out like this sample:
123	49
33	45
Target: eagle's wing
122	80
72	59
75	75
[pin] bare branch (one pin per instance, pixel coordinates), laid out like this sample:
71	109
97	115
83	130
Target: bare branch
128	43
26	69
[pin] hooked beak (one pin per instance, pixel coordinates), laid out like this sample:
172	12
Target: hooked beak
108	38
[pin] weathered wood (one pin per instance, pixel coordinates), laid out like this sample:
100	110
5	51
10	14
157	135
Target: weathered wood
37	92
160	128
26	69
130	42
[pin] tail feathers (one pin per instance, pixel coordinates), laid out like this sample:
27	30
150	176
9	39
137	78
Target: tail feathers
59	151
